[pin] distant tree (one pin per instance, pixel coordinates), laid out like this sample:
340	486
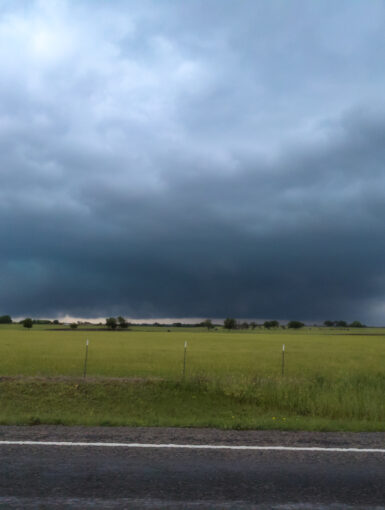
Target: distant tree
177	324
123	324
111	323
5	319
295	325
230	323
28	323
357	324
341	324
56	322
271	324
328	324
244	325
253	325
207	324
73	325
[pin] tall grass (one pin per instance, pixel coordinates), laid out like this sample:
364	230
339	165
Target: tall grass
332	381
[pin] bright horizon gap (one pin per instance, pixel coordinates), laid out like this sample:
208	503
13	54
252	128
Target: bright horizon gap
163	320
171	320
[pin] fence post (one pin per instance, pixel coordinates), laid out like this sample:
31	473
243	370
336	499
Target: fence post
184	360
283	359
85	361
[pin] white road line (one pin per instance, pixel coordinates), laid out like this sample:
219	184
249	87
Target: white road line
194	446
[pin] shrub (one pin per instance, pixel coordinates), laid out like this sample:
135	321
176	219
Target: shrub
123	324
111	323
230	323
28	323
295	325
357	324
271	324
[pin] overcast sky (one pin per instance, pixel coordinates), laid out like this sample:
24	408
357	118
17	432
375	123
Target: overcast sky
193	158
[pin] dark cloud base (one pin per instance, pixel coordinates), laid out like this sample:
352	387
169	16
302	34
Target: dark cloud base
180	253
153	165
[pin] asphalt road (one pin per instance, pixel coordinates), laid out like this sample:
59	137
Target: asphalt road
40	476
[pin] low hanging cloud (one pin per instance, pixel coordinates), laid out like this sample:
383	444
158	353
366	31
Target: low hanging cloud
172	159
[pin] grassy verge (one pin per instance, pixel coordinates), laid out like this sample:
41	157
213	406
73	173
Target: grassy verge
334	380
352	403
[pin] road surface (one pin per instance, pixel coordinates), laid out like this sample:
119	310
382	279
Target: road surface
113	475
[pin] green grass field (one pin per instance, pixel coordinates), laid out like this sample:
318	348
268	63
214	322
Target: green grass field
334	379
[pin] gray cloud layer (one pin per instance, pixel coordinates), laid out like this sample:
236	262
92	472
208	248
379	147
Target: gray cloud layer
193	158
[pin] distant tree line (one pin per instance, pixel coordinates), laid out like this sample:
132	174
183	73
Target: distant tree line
344	324
207	323
27	322
231	323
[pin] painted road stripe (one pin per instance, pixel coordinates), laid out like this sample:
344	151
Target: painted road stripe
193	446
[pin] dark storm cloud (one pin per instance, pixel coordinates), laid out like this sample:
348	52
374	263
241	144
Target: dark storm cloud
192	159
